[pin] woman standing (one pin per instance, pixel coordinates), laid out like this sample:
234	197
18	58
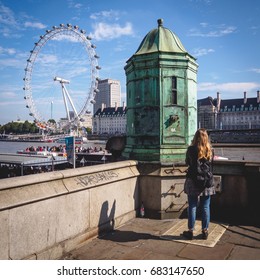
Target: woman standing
198	193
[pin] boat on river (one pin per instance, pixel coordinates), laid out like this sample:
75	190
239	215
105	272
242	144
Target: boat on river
42	153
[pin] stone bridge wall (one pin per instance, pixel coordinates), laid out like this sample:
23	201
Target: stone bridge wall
45	215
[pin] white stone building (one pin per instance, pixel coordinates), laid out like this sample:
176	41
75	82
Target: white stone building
241	113
110	120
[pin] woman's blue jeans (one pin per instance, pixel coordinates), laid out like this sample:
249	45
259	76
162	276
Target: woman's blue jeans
204	202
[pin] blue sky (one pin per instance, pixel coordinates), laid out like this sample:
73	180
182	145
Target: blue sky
223	35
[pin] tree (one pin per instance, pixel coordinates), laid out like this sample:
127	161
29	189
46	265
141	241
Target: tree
89	130
52	121
26	127
19	128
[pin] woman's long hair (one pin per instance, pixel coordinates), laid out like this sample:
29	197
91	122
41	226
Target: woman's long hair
201	141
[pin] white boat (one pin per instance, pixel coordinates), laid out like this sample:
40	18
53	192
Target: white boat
42	153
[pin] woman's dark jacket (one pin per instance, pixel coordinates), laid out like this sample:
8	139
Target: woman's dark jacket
190	186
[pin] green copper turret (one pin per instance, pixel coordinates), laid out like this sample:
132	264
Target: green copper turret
161	99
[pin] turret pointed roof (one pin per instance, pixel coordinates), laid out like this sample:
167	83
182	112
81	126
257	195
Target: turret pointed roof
160	39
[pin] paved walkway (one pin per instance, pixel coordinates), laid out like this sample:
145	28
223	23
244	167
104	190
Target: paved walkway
139	239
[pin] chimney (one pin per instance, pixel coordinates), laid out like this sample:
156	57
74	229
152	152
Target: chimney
115	106
258	96
245	99
123	105
218	101
102	107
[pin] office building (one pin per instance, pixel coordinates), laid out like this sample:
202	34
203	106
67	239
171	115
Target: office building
109	94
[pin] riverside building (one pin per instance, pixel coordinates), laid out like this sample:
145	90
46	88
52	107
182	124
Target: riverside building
109	93
110	120
229	114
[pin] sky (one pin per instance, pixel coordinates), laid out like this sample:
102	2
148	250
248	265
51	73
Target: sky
224	37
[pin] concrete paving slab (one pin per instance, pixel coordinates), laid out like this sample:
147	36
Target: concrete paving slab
93	250
128	238
245	253
243	235
140	253
139	239
166	248
194	252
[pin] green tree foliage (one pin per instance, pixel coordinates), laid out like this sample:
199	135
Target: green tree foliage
19	128
89	130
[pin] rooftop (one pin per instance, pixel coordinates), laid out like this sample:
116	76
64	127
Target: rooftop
111	111
238	104
160	39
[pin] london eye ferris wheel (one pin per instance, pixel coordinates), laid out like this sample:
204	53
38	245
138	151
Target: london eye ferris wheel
61	77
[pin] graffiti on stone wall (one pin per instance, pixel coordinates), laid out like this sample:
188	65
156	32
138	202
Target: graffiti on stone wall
97	178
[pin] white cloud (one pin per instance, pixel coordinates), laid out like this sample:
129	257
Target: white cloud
104	31
11	102
201	51
228	87
11	62
255	29
47	59
78	6
38	25
7	16
8	23
105	15
204	24
9	94
72	4
256	70
212	30
9	51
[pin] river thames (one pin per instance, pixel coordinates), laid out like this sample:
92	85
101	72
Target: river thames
232	152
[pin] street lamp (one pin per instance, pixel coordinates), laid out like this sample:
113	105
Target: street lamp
51	109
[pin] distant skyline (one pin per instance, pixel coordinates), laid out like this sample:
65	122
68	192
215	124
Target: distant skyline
224	37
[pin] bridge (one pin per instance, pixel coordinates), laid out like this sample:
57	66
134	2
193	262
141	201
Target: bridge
46	216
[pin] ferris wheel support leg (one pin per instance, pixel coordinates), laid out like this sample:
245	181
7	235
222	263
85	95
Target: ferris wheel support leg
65	101
71	103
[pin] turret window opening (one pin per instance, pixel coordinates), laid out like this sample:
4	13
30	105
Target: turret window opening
174	91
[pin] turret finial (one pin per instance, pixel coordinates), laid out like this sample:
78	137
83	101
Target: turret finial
160	22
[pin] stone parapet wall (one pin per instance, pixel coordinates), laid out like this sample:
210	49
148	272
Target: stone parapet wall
45	215
237	186
239	191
